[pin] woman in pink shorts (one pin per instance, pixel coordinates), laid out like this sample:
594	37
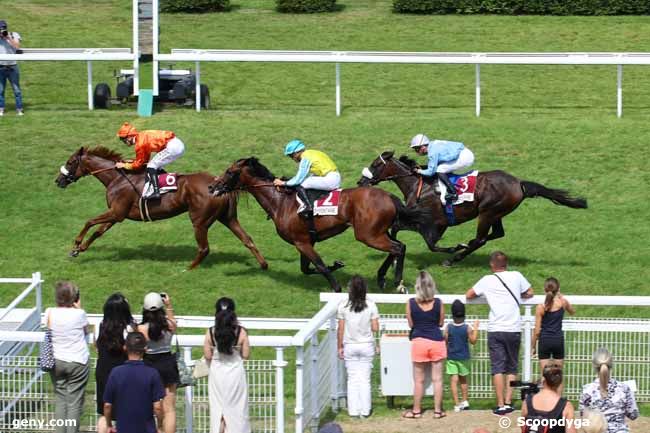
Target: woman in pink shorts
426	315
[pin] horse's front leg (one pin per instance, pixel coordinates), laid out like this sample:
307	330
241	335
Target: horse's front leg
106	217
481	239
306	269
96	234
306	250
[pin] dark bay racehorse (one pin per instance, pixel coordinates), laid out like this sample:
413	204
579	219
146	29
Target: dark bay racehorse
370	211
123	193
497	194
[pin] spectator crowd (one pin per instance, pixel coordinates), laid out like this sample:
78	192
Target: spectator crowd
137	371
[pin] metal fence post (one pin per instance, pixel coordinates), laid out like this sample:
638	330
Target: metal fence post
279	364
300	355
334	375
478	90
527	343
338	89
189	420
197	87
619	91
315	374
36	278
91	103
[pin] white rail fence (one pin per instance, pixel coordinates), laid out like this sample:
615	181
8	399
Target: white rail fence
339	57
26	392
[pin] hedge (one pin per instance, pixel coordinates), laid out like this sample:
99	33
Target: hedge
194	6
306	6
524	7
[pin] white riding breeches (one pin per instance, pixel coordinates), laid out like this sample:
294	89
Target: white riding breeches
465	159
329	182
174	149
358	363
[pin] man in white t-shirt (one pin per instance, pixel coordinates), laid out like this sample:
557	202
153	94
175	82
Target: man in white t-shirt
503	291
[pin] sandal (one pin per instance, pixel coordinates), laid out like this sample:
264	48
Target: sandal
411	414
438	415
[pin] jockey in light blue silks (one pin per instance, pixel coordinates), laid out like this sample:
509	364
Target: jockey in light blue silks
444	157
315	171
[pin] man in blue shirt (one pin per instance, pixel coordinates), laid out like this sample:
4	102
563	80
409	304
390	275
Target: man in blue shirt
134	392
444	157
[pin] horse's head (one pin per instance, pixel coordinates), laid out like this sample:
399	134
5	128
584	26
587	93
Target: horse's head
242	173
382	168
72	170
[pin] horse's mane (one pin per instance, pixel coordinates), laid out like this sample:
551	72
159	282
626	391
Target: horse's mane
408	161
258	169
106	153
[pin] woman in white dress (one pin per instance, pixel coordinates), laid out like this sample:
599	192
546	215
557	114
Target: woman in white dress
225	348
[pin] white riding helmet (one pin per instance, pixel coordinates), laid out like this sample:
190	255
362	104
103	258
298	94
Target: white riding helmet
419	140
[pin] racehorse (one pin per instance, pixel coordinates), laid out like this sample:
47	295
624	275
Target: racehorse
497	194
123	198
370	211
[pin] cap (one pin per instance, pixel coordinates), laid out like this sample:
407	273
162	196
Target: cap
126	130
3	24
458	309
419	140
153	302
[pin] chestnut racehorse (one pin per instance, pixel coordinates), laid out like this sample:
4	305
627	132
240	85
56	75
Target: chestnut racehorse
497	194
123	191
371	212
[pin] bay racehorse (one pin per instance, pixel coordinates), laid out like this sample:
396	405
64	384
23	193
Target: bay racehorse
123	193
497	194
371	212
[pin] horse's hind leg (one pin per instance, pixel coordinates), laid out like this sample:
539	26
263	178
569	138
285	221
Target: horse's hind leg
236	228
201	235
306	269
497	230
396	251
484	224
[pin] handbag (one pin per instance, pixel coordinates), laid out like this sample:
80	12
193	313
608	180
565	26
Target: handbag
201	368
184	371
46	361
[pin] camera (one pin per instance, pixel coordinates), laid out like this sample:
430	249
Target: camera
527	388
4	33
163	295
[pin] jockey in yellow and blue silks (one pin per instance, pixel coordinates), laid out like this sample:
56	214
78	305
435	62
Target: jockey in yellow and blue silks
444	157
315	171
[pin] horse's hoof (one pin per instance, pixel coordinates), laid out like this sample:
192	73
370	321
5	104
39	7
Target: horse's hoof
337	265
447	263
337	289
401	288
264	266
461	247
74	253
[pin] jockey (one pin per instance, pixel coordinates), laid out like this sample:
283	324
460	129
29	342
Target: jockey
165	143
315	171
444	157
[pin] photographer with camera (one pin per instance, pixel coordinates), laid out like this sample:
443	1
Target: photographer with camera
158	326
9	44
547	411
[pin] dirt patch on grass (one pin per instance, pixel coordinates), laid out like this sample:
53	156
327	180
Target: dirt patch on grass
465	422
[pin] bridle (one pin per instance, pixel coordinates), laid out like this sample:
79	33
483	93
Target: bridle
69	176
372	177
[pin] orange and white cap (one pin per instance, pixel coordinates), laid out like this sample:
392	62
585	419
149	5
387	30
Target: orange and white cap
127	130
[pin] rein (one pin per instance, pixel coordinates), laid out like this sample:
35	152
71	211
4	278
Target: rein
101	170
419	190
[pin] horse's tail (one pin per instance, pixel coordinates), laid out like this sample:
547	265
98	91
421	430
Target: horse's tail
410	218
557	196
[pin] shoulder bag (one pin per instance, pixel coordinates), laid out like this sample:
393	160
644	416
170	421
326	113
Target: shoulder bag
508	289
46	361
184	371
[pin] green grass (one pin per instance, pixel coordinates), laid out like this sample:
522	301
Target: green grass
551	124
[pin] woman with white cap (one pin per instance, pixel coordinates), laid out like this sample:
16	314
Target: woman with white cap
158	326
444	157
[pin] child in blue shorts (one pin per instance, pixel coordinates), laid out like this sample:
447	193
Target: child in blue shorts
458	336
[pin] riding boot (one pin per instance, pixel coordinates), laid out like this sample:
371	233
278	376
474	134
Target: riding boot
308	210
152	174
451	195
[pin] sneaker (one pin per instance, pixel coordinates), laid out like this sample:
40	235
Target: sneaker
20	113
500	411
458	408
464	405
2	112
509	407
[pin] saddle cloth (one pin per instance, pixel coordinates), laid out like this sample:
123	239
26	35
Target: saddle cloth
465	187
167	182
324	202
